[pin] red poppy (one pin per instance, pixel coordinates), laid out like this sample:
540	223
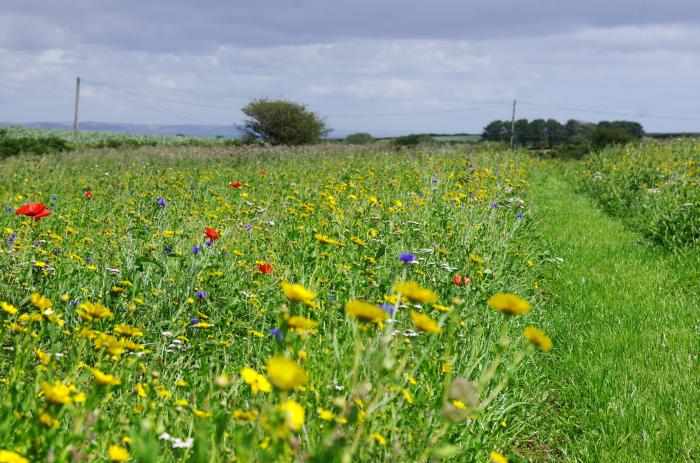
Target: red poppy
235	184
36	210
461	281
88	194
265	268
212	234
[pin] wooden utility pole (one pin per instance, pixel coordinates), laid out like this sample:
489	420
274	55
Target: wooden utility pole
76	125
512	126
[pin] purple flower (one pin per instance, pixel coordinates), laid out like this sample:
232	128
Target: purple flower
161	202
196	249
495	206
200	294
11	239
407	257
519	215
388	308
248	227
277	333
54	198
37	244
434	180
167	249
88	260
194	321
208	243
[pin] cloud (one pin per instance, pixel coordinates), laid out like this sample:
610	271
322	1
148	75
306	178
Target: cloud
350	61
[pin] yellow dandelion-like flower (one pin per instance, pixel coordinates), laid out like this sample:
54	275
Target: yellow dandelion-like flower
105	379
293	414
297	293
538	338
378	438
302	325
200	413
8	308
141	390
118	453
509	304
42	356
245	415
286	374
256	381
365	311
413	291
425	323
129	331
90	311
40	302
47	420
8	456
476	259
60	393
496	457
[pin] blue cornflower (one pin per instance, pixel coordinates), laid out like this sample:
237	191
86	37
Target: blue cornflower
11	239
208	243
519	215
495	205
54	198
88	260
434	180
161	202
167	249
388	308
407	257
248	227
196	249
200	294
194	321
277	333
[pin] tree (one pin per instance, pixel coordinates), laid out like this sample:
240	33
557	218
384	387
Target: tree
282	122
359	138
495	131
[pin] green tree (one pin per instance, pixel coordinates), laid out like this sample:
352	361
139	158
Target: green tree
495	131
359	138
282	122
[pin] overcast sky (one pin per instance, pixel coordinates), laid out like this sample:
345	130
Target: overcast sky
382	66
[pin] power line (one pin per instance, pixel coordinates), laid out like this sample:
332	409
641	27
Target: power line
609	113
170	100
418	113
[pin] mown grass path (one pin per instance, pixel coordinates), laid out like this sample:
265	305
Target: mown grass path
624	380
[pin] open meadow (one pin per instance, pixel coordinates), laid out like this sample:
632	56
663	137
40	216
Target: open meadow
346	303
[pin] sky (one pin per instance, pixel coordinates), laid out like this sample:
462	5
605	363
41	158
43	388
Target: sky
386	67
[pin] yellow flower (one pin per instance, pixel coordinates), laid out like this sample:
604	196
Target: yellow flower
60	393
425	323
42	356
8	308
496	457
109	343
93	311
140	390
255	380
378	438
47	420
325	415
297	293
40	302
476	259
365	311
446	367
326	240
105	379
245	415
407	395
200	413
413	291
8	456
293	414
286	374
358	241
538	338
118	453
509	304
130	331
302	325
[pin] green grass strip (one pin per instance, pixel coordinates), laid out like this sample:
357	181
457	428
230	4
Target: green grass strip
624	383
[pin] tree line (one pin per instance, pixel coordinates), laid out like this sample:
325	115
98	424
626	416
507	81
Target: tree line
549	133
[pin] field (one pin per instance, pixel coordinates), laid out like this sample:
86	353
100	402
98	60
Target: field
336	303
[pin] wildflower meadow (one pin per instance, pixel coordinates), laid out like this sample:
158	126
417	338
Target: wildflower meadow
319	304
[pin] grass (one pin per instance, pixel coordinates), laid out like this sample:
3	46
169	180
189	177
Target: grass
624	319
185	320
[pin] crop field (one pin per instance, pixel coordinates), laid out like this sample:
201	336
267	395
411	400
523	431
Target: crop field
236	306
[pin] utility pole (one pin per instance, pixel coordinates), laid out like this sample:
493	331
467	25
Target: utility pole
512	125
76	125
